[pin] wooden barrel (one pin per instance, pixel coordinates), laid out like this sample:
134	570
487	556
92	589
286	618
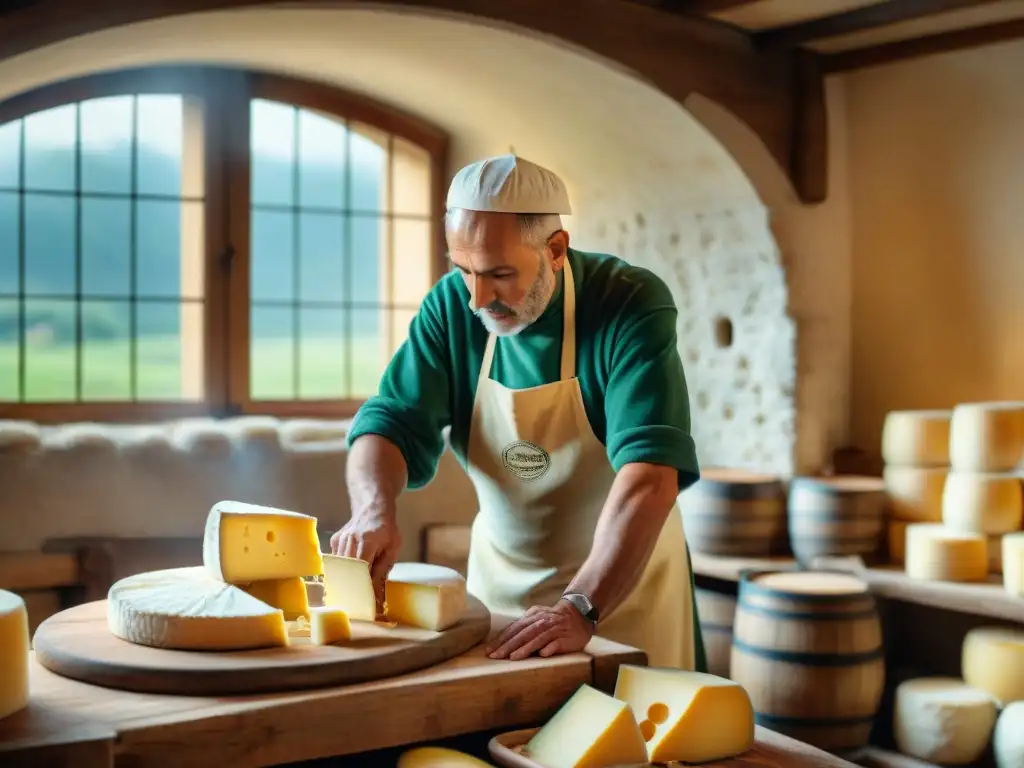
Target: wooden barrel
716	611
737	513
836	516
807	647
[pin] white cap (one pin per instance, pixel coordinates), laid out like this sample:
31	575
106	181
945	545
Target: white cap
508	184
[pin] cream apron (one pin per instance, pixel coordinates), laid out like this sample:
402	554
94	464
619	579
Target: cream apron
542	477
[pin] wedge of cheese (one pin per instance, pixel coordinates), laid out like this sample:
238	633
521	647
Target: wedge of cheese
188	609
328	626
591	730
14	648
244	543
347	585
438	757
424	595
287	594
690	717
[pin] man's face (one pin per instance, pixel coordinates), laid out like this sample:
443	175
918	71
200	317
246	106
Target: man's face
510	283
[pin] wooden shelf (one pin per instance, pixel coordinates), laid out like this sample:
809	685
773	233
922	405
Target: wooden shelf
982	599
875	757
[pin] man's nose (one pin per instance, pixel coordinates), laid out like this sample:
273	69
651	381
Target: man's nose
483	293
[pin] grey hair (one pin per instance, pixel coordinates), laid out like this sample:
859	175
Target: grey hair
534	228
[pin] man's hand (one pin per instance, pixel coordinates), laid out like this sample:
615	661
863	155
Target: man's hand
544	629
374	537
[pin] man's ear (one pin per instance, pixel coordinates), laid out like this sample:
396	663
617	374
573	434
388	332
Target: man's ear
558	243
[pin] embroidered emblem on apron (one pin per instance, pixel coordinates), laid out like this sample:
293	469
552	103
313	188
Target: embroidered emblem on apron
526	460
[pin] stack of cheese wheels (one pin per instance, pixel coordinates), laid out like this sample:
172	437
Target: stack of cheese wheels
835	516
983	493
735	513
14	654
915	449
992	661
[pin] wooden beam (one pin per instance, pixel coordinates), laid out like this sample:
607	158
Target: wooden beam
942	42
707	7
858	20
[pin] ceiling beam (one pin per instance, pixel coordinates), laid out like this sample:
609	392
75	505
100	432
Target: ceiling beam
858	20
705	7
942	42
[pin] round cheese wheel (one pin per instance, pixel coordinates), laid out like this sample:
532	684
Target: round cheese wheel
916	438
942	720
1008	738
987	437
438	757
935	552
915	493
983	502
1012	562
14	654
992	659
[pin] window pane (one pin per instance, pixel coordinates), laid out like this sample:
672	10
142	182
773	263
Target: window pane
160	137
49	244
322	356
169	350
366	257
106	246
410	178
322	148
106	350
10	245
369	350
170	256
272	247
10	154
107	144
50	149
412	269
321	257
51	328
10	335
272	353
368	159
272	136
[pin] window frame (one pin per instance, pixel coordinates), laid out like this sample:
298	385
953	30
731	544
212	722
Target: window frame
226	93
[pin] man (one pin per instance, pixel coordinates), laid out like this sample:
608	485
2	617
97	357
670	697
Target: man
559	376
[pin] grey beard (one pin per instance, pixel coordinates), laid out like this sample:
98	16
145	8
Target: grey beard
528	310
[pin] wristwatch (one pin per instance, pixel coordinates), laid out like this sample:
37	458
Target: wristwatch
582	604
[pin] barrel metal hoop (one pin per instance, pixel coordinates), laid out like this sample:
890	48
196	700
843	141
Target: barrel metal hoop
833	660
774	721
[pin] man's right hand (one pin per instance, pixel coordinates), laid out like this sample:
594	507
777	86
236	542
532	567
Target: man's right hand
374	537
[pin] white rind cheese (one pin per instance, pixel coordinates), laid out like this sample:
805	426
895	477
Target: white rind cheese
916	438
186	609
1008	738
934	552
987	437
942	720
983	502
425	595
1013	563
992	659
14	654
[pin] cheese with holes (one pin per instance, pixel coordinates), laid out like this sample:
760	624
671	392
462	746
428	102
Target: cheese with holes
1008	737
987	437
425	595
14	648
993	660
1013	563
915	493
942	720
328	626
243	543
438	757
916	438
591	730
937	553
691	717
348	585
287	594
896	540
187	609
979	502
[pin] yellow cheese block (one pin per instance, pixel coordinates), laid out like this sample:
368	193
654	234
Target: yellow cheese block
691	717
591	730
916	438
243	543
942	720
438	757
287	594
983	502
425	595
987	437
347	585
328	625
187	609
1013	563
14	647
937	553
915	493
992	659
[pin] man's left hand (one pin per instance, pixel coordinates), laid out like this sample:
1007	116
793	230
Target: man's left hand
548	630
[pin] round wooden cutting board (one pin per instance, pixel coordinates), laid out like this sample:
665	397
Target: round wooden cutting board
76	643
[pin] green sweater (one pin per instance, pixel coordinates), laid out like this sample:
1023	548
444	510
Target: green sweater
628	366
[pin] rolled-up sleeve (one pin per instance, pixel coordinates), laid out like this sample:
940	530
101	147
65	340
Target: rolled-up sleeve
647	405
412	406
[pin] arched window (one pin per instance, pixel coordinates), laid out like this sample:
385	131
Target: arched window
196	240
